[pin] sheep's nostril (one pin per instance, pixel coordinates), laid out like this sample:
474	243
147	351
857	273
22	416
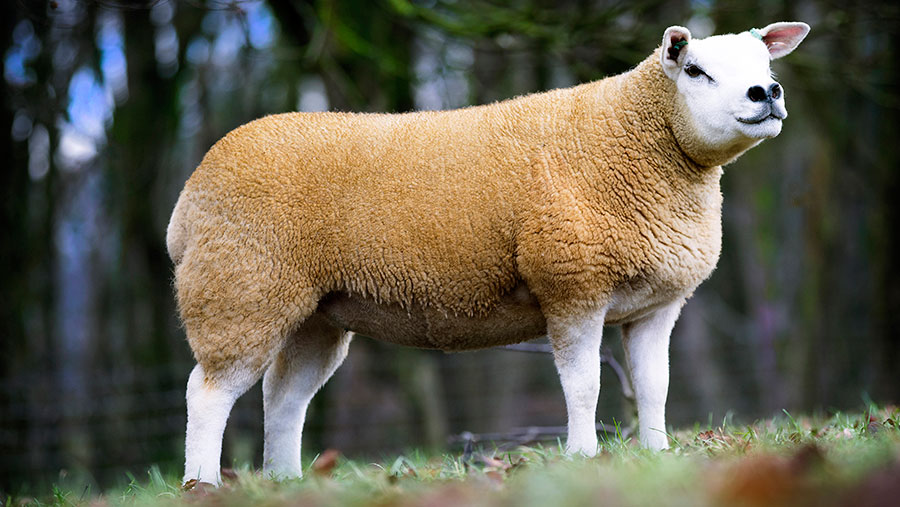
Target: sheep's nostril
775	91
757	94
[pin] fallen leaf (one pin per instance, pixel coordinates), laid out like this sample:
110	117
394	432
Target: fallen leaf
493	462
522	461
429	472
706	435
229	475
196	489
764	480
326	462
495	478
873	427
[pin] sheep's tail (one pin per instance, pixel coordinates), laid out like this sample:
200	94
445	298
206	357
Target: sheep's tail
176	233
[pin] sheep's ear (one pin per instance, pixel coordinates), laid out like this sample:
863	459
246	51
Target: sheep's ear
782	38
674	48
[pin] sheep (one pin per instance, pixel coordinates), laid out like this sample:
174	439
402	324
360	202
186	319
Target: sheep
551	214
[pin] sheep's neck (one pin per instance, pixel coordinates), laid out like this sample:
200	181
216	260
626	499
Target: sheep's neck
628	151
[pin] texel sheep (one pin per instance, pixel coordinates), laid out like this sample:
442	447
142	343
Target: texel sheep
546	215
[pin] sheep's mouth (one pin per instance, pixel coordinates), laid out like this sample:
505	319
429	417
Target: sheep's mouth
756	120
770	112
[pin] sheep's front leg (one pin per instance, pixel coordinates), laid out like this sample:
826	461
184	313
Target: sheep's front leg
647	351
576	352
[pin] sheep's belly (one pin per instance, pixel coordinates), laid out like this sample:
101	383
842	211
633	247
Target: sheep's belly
516	318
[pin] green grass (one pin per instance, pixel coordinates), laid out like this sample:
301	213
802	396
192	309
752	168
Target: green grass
790	460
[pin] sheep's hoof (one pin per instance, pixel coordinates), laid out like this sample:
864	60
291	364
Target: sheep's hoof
585	451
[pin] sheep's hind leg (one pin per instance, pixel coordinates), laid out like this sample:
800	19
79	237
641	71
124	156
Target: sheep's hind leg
307	361
234	342
208	404
576	353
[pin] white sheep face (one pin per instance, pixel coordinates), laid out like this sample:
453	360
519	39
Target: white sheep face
727	99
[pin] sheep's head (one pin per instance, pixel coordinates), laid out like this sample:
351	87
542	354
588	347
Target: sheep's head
727	99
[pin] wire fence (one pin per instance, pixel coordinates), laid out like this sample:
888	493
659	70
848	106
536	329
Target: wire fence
383	400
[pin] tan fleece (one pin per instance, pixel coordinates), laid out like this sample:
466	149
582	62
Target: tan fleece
556	201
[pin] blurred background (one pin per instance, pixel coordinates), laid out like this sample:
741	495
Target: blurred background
108	106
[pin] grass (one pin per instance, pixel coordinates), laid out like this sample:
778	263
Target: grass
790	460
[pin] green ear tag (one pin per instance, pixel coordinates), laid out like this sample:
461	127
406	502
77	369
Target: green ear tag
680	44
754	32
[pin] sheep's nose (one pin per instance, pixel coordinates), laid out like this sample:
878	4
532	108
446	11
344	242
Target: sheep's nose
760	94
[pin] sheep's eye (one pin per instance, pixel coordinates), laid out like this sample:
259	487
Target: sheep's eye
694	71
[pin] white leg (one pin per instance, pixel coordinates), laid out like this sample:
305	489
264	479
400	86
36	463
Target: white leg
208	406
647	350
303	366
576	352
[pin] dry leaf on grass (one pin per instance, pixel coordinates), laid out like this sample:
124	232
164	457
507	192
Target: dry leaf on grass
495	478
706	435
494	463
326	462
229	475
769	480
194	489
